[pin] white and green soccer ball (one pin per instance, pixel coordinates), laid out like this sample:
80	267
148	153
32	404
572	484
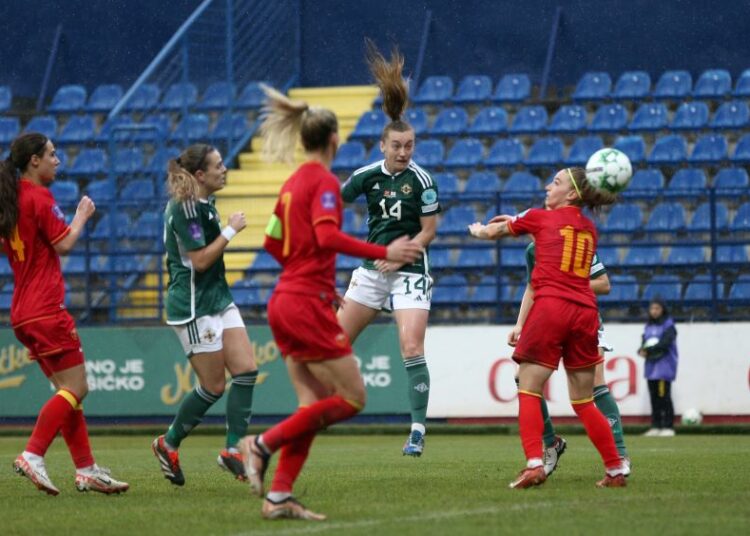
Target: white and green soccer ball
609	169
691	417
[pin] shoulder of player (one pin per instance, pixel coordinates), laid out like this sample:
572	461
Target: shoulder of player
423	177
187	209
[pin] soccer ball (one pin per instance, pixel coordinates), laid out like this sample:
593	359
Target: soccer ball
691	417
609	169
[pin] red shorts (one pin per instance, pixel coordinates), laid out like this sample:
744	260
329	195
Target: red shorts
52	341
305	327
559	329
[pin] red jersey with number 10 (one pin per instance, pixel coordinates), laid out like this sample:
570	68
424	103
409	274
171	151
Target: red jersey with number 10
565	242
39	287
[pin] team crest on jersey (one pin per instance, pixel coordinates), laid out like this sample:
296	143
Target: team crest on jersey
429	196
328	200
195	230
209	335
58	213
406	189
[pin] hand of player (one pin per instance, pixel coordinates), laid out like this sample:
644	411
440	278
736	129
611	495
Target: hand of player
500	218
403	250
387	267
478	230
514	335
86	208
237	221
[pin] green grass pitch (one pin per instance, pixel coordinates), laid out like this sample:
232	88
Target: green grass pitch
690	484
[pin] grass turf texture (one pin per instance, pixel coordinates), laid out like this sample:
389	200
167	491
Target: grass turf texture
689	484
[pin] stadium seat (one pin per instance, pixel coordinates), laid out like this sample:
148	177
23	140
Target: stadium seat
109	126
439	258
264	262
608	256
181	95
447	183
78	129
609	118
709	149
161	123
512	88
247	293
686	255
89	162
624	289
731	178
742	88
145	97
159	161
632	85
522	182
122	223
451	289
9	129
736	254
742	150
6	98
485	292
624	217
149	225
349	224
582	150
192	127
104	98
649	117
473	89
138	190
476	258
633	146
513	257
252	97
217	96
351	155
236	124
666	287
44	124
545	152
489	121
465	153
740	291
100	191
6	297
505	152
569	118
642	256
347	263
733	114
457	219
68	99
687	179
128	160
666	217
369	125
450	122
741	220
375	154
713	84
418	120
690	116
65	192
434	90
62	156
671	149
701	220
673	85
429	153
74	265
482	182
646	181
529	119
593	86
699	289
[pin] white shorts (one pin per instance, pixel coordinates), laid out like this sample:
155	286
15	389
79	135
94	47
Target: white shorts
602	343
398	290
204	334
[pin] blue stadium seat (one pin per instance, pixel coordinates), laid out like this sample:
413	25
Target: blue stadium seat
347	263
44	124
645	181
110	124
699	289
742	88
104	98
482	182
447	183
666	287
62	156
351	155
451	289
429	153
476	258
624	289
690	116
370	125
522	182
728	178
733	114
434	90
593	86
264	262
247	294
735	254
709	149
178	96
624	217
608	255
632	85
673	85
686	255
713	84
741	220
505	152
568	118
6	98
138	190
418	120
128	160
609	118
122	222
702	217
350	223
217	96
512	88
486	291
252	97
159	161
489	121
439	258
100	191
74	265
513	257
375	154
742	150
582	150
649	117
457	219
687	179
666	217
192	127
642	256
78	129
473	89
145	97
671	149
89	162
9	129
465	153
68	99
162	124
450	122
6	297
545	152
740	291
65	192
529	119
633	146
148	225
237	124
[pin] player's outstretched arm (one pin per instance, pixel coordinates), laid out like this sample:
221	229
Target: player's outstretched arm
491	231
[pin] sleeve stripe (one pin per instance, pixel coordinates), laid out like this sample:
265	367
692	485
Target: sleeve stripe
334	219
422	175
429	208
365	168
59	237
510	229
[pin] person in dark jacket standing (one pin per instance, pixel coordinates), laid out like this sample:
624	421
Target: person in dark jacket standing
659	347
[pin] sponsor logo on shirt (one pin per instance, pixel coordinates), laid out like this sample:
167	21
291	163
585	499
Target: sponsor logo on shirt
377	186
58	213
429	196
195	230
328	200
390	194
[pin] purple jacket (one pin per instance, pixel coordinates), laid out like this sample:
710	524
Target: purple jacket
661	360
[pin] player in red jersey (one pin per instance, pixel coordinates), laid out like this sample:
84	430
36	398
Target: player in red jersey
563	321
304	235
34	234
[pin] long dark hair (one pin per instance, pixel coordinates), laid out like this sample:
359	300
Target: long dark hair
395	90
21	151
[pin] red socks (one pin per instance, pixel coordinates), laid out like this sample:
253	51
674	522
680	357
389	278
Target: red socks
76	436
599	432
293	456
50	420
531	424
